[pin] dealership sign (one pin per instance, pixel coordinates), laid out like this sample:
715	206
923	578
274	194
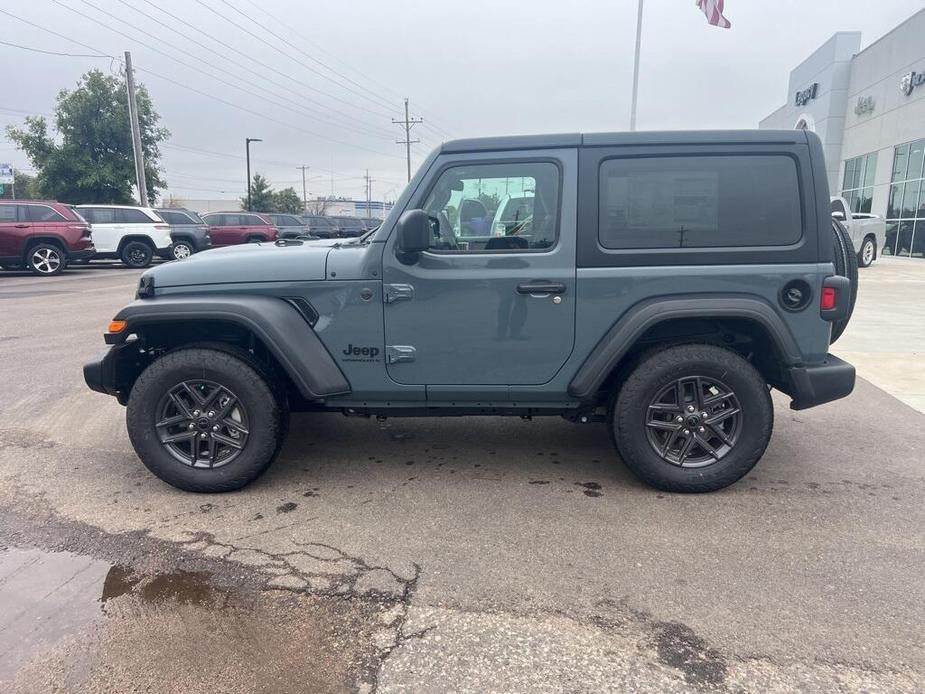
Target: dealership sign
6	174
865	105
911	81
804	96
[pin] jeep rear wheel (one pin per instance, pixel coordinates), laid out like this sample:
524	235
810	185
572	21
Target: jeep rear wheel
692	418
204	421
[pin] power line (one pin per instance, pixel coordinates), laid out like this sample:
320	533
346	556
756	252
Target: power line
365	95
301	111
39	50
244	66
55	33
286	55
211	96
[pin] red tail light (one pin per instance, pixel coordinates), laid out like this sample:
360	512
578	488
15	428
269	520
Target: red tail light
827	299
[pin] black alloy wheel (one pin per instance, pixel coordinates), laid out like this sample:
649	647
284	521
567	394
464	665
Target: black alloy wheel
694	421
202	424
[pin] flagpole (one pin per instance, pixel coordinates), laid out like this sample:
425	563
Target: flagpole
636	66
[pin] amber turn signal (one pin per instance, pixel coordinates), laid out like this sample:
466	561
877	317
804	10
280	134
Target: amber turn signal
117	326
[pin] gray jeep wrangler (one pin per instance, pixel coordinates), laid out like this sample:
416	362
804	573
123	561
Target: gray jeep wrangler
659	283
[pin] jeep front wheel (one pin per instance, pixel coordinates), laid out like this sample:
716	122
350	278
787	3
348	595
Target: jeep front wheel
204	420
692	418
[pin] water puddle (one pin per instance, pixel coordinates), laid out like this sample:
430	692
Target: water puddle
74	623
44	597
47	597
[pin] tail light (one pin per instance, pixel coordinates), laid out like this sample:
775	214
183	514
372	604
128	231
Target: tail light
84	229
162	227
835	297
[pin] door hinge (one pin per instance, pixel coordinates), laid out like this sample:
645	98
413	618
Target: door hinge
397	292
395	354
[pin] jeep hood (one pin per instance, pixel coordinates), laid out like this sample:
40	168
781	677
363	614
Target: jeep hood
250	262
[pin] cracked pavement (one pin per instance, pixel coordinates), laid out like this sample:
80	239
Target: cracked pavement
441	554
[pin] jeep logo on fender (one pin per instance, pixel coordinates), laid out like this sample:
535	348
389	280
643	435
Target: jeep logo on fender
356	353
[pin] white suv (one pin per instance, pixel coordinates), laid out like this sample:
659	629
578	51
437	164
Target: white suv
132	234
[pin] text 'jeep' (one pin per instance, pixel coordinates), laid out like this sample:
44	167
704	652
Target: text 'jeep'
659	283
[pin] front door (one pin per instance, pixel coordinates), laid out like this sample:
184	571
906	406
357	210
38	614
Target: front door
492	301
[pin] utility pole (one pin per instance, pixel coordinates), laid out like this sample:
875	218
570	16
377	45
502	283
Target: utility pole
304	189
408	123
636	66
247	151
369	194
136	132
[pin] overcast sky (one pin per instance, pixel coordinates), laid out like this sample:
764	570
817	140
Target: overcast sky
481	67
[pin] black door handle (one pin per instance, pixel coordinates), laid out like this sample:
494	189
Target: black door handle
21	226
541	288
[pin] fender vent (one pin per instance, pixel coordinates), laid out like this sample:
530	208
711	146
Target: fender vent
305	309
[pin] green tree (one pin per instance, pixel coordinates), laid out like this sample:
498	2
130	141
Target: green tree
287	201
91	159
262	195
24	187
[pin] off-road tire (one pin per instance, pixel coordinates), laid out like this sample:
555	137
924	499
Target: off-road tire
46	259
628	417
266	419
846	265
868	252
136	254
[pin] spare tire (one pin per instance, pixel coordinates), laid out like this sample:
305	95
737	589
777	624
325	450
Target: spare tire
846	265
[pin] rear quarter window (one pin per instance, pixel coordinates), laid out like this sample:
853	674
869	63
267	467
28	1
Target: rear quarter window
699	202
42	213
252	220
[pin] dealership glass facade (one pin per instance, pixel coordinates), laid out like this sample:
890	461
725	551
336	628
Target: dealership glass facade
858	183
905	213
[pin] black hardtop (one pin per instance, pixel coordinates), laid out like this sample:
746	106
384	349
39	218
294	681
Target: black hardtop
615	139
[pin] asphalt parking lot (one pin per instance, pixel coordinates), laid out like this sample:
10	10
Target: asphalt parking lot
448	554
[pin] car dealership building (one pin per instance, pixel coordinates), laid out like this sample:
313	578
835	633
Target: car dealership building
868	107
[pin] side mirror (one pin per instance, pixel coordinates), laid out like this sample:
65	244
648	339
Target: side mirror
840	216
414	232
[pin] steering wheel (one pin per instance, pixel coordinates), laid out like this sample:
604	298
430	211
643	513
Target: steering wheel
445	235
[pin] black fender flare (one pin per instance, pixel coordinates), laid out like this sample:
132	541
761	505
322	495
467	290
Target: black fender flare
617	341
284	331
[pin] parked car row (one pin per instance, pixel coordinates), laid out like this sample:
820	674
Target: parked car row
45	236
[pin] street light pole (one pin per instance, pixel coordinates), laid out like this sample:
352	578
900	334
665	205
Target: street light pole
247	149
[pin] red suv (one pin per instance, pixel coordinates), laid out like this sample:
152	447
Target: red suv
42	236
229	228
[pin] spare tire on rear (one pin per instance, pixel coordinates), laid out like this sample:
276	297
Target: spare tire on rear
846	265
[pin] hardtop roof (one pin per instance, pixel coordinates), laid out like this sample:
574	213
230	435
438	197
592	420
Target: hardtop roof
655	137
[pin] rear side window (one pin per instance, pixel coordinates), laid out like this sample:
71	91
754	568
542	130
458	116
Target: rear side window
174	217
252	220
134	217
42	213
699	202
100	215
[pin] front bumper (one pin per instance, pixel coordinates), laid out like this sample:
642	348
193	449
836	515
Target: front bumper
114	370
815	385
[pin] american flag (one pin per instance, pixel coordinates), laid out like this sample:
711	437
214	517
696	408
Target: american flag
713	9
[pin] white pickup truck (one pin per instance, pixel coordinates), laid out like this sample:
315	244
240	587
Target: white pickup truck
867	231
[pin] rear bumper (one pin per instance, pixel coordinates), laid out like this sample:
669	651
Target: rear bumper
815	385
84	254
